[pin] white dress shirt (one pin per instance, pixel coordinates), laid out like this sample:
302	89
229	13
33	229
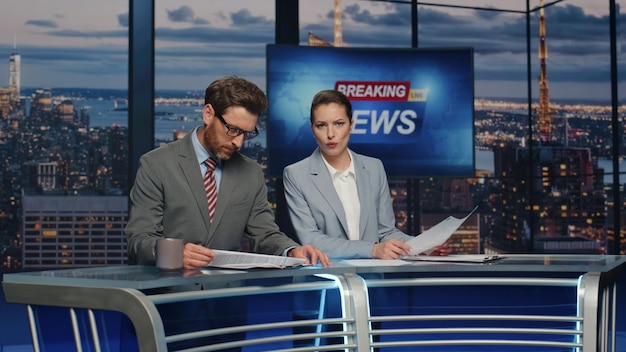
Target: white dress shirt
345	185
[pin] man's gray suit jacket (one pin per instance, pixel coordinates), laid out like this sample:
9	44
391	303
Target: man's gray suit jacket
168	200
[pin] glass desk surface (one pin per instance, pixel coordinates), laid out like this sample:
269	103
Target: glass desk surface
143	277
564	263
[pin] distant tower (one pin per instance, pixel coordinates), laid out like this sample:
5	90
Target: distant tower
545	118
314	40
338	30
14	77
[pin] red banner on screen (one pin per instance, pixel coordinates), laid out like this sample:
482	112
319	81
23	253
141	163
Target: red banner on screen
375	90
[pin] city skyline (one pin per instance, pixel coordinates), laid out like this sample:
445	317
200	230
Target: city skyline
99	165
59	49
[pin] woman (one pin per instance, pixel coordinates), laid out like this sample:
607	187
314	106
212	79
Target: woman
339	200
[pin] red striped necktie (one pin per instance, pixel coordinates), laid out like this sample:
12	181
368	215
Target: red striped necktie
210	186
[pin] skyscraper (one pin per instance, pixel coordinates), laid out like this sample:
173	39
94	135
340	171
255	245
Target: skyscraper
83	230
556	201
14	77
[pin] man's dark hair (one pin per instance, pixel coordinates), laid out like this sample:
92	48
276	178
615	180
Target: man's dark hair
235	91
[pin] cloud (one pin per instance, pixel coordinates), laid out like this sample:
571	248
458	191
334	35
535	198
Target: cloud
394	18
578	42
244	18
42	23
184	14
70	33
260	35
122	20
200	21
487	15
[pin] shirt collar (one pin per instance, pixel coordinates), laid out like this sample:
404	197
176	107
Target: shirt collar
349	171
201	153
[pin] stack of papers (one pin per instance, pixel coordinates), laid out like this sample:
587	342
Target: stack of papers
243	260
455	258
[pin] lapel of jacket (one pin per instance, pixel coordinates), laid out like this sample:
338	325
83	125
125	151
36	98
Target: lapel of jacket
188	163
323	182
364	188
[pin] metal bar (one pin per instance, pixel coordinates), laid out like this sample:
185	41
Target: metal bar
32	322
603	321
255	327
572	319
240	291
266	340
76	330
477	342
347	347
134	304
494	330
477	281
357	291
94	331
320	315
614	318
590	289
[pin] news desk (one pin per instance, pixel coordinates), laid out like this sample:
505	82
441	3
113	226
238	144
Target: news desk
520	302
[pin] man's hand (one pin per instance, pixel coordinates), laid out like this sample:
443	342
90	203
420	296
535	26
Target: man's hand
196	256
311	254
390	249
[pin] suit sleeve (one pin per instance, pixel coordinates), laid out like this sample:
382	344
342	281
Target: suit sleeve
261	226
145	222
386	216
313	221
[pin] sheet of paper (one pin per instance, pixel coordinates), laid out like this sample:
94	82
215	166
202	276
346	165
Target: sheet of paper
374	262
436	235
455	258
243	260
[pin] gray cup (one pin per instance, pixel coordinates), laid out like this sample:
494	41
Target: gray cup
169	253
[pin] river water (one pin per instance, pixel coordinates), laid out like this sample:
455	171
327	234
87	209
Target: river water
178	117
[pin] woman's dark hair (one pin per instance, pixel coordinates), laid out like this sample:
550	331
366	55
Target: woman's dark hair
330	96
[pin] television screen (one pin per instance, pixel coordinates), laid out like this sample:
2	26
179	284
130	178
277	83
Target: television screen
412	108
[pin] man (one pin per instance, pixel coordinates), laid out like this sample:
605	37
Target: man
168	198
174	196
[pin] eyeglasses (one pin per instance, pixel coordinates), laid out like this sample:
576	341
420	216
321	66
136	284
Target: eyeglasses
235	131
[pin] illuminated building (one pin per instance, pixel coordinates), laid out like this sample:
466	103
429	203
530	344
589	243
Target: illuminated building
65	111
561	202
5	104
43	176
550	198
77	232
14	77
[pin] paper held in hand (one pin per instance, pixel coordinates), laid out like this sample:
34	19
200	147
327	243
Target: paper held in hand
436	235
243	260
